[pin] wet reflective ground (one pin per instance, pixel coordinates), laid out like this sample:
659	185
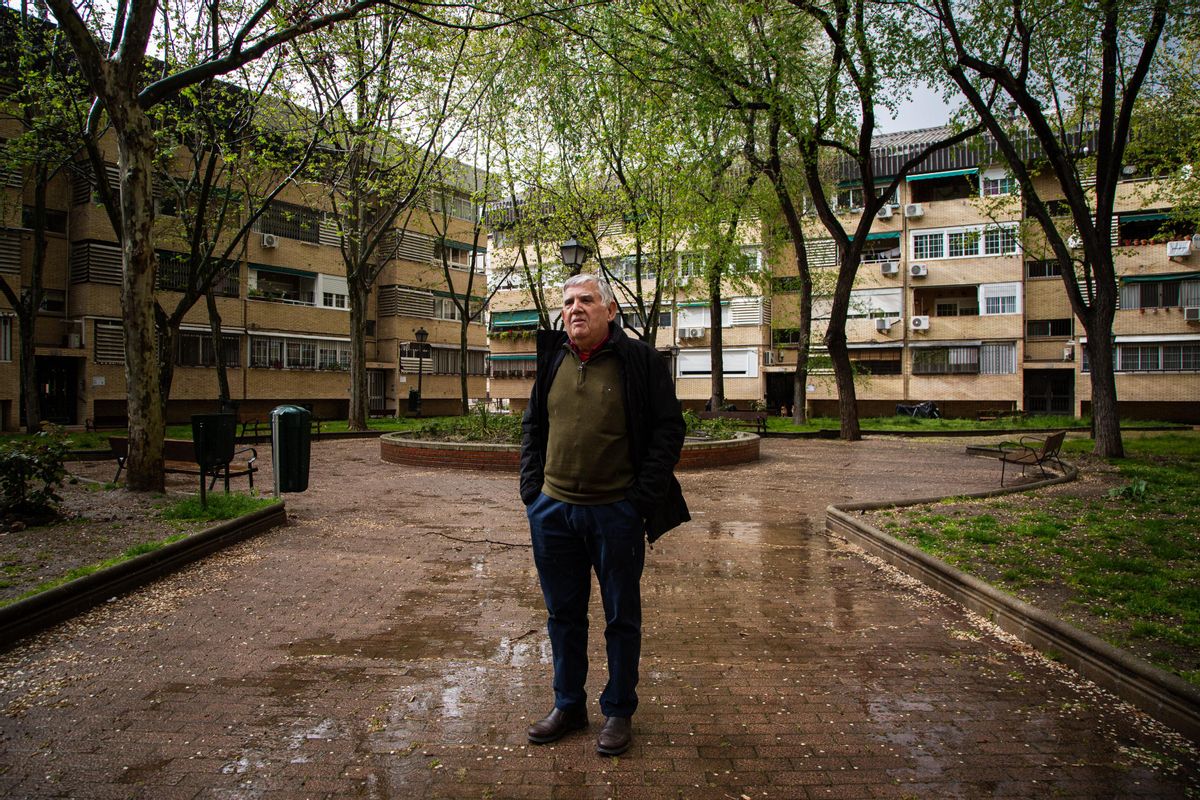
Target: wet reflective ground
390	643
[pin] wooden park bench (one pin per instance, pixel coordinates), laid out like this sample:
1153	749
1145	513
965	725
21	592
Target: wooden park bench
1031	451
179	457
748	419
256	430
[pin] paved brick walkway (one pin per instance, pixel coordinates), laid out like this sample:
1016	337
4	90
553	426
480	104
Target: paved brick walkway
389	643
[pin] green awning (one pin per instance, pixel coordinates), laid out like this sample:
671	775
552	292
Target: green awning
514	357
470	248
511	319
1164	276
1145	217
949	173
452	296
283	270
874	237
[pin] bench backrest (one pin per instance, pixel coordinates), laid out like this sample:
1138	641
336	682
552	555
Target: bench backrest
173	449
1053	443
732	414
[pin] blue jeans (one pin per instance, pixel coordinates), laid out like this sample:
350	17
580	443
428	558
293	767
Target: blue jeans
569	541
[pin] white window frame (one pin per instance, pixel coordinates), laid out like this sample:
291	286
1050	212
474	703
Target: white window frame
700	316
997	182
1000	292
935	244
739	362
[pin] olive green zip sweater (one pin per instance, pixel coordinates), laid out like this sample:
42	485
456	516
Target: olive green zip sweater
587	452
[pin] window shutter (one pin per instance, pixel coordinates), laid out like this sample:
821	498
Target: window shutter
10	252
96	262
110	343
998	359
1131	295
746	311
414	303
822	253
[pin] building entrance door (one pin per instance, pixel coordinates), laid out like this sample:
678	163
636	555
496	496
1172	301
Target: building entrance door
58	389
779	390
376	395
1050	391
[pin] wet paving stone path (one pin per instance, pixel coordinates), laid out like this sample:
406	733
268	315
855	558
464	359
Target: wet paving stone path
389	643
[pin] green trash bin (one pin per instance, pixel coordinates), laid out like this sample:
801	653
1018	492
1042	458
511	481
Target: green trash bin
290	442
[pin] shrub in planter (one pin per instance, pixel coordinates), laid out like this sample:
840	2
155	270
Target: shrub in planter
31	473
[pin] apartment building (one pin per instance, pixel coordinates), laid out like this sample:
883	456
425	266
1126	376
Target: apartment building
954	302
684	325
957	302
283	306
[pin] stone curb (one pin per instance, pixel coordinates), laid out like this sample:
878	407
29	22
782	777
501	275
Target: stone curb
36	613
1164	696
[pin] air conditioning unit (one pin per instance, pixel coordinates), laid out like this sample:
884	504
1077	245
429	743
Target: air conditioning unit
1074	242
884	213
1192	313
883	324
270	240
1179	249
918	270
1196	242
919	323
768	358
692	333
914	210
889	268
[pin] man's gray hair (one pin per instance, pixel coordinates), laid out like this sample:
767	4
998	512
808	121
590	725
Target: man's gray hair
606	292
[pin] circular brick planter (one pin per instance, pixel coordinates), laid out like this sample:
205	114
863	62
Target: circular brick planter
400	448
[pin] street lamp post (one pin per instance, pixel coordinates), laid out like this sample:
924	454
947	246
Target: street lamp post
422	336
573	255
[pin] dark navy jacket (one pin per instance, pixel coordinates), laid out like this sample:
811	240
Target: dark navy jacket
653	420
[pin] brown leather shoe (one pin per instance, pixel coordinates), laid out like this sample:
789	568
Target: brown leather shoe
615	736
557	724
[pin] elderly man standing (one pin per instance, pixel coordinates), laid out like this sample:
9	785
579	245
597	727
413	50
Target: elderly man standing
602	435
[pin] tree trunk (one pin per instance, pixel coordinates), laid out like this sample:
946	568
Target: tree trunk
463	353
29	382
136	146
716	349
214	322
168	346
835	340
1106	421
357	418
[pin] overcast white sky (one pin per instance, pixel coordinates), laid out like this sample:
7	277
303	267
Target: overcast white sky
924	110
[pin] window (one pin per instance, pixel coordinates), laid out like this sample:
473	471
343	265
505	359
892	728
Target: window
196	349
876	361
1000	298
1046	268
54	302
962	243
1153	357
737	362
699	316
173	269
996	182
998	359
1159	294
1043	328
1133	358
513	366
456	257
875	303
280	287
986	240
999	240
56	221
943	187
928	245
109	342
6	339
292	352
945	360
634	319
291	221
334	291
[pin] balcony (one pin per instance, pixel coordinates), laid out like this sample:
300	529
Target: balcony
278	285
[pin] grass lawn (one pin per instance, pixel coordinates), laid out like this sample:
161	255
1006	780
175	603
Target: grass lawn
901	424
1116	553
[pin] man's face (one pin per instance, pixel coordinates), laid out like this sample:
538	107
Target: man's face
585	316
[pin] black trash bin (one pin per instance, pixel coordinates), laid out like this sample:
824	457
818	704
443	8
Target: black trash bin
213	437
290	442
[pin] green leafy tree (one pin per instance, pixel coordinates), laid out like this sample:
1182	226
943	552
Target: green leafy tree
1057	87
